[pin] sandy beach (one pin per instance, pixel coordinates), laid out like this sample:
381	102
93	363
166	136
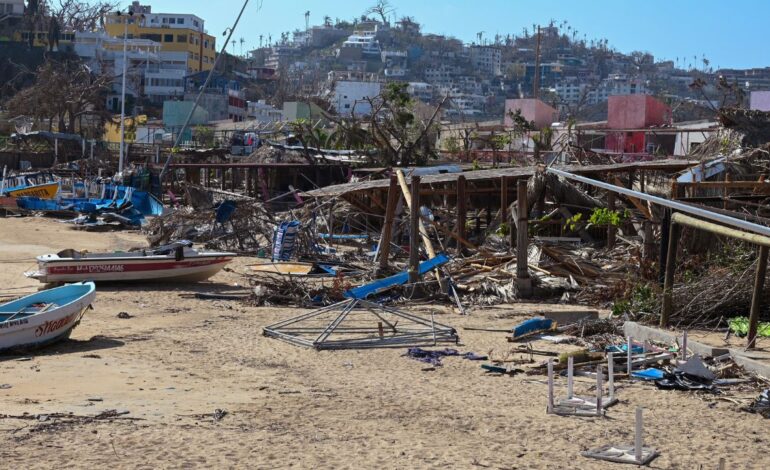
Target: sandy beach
178	359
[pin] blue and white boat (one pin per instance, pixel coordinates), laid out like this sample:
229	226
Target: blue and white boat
44	317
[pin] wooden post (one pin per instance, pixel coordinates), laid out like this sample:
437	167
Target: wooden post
648	248
665	231
642	177
611	229
668	282
414	205
414	230
462	212
523	282
756	297
387	228
503	200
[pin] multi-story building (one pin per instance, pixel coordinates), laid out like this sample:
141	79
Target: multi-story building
487	59
349	92
182	33
224	98
441	73
151	73
360	44
262	112
421	90
11	8
585	93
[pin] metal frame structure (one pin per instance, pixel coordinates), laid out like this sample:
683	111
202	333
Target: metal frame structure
385	332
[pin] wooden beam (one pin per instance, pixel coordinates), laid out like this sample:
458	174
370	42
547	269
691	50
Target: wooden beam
387	227
523	282
756	297
462	210
414	229
423	231
611	229
503	199
668	282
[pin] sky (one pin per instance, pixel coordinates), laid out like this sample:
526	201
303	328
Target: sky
730	34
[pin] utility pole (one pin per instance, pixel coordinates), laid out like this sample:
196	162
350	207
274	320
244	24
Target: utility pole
536	81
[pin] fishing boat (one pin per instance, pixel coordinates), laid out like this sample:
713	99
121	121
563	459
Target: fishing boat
40	185
176	262
44	317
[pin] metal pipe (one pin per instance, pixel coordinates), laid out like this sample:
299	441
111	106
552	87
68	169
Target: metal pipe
731	221
683	219
123	99
203	89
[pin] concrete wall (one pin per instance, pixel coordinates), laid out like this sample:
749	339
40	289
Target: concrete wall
532	110
760	100
636	111
350	97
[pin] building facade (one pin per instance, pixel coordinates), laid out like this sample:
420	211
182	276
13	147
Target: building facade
180	33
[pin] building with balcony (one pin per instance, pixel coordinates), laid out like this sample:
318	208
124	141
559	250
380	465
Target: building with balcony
224	98
11	8
487	59
183	33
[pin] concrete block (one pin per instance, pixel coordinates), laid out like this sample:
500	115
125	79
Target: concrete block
642	332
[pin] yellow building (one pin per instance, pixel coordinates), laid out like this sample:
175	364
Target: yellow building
178	34
40	38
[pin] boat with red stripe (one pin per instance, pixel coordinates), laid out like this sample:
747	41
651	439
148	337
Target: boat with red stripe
176	262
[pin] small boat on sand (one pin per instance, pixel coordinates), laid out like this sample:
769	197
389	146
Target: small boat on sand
44	317
176	262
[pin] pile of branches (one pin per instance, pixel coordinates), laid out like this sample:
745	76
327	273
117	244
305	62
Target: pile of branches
249	228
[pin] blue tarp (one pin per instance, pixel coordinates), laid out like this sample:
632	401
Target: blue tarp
533	326
384	284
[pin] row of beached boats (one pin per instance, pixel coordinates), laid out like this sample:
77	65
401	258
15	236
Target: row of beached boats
50	315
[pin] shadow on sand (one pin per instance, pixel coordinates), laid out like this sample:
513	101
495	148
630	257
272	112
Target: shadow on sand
67	346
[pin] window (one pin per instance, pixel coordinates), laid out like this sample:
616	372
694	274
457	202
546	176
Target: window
168	38
172	21
180	21
195	22
151	37
165	20
205	43
181	38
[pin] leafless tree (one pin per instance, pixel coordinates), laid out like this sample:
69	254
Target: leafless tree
64	93
383	8
79	15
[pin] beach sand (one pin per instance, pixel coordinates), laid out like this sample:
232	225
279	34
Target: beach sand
179	359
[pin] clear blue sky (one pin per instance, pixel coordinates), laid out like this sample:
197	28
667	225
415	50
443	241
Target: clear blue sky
730	33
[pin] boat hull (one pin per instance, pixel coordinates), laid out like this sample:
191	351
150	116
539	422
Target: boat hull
42	191
164	269
42	329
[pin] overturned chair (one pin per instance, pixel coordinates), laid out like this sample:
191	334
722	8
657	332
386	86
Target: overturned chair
358	323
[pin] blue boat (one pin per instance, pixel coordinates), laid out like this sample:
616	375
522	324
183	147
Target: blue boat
44	317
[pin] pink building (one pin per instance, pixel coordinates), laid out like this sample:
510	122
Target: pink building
632	113
532	110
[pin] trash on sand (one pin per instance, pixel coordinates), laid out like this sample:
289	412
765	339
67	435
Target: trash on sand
761	405
430	357
648	374
533	326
